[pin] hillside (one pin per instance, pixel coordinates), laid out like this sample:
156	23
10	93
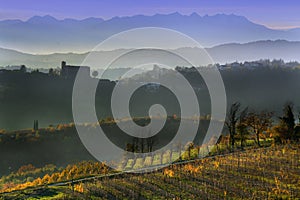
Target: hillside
226	53
265	173
49	98
36	147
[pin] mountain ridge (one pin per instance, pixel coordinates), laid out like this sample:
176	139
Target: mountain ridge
45	34
226	53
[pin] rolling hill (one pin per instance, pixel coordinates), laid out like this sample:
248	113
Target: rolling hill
226	53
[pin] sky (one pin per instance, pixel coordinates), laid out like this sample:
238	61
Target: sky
279	14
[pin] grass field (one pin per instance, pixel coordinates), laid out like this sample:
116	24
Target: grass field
263	173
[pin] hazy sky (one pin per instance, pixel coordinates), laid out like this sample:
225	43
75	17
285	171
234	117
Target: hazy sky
272	13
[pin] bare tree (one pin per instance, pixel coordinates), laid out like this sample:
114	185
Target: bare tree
150	141
259	122
231	122
242	127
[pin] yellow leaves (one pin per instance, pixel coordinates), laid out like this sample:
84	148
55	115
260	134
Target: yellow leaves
188	168
283	174
216	164
71	172
60	127
54	177
11	186
192	169
37	181
79	188
169	173
278	190
198	169
64	126
46	179
7	187
277	182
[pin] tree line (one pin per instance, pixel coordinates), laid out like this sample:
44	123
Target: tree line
241	122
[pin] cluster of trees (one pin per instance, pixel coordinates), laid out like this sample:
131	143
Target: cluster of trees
141	145
242	122
28	175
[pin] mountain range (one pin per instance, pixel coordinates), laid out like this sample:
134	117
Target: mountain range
227	53
46	34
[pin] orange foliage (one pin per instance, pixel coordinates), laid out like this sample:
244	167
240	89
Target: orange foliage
79	188
71	172
168	173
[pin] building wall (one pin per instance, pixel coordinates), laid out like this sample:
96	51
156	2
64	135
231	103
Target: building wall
70	71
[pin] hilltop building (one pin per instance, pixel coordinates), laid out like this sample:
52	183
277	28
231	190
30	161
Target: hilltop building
70	71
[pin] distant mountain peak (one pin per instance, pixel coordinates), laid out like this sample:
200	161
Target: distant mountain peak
46	33
175	14
42	19
228	16
194	14
93	19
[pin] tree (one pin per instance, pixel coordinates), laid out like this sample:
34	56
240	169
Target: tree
189	147
46	179
259	122
53	72
231	122
286	127
242	127
95	74
150	141
288	120
35	125
23	69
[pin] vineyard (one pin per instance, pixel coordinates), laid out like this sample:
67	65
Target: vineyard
261	173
